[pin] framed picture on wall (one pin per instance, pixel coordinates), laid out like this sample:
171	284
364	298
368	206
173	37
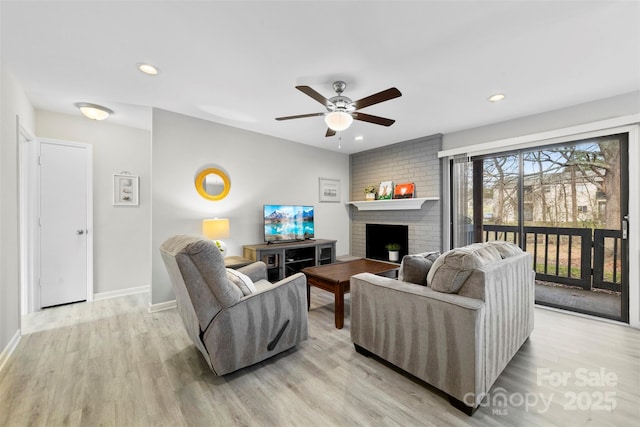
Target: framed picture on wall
329	190
125	190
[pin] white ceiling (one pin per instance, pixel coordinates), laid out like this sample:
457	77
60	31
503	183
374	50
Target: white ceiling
237	62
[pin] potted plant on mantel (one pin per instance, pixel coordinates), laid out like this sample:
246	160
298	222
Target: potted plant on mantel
394	251
370	192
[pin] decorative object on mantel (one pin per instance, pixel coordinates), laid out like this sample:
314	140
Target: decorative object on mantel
386	190
125	189
370	192
394	251
404	191
391	205
329	190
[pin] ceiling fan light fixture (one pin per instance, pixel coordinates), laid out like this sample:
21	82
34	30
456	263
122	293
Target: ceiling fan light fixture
338	120
93	111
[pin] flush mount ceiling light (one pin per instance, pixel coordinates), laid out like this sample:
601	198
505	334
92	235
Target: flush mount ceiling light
93	111
148	69
497	97
338	120
358	138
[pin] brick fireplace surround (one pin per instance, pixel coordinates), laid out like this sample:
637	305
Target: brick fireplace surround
411	161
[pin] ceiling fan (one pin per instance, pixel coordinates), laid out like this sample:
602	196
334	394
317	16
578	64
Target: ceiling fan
341	110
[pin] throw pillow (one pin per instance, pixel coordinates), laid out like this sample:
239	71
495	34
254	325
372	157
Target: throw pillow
414	268
453	268
242	281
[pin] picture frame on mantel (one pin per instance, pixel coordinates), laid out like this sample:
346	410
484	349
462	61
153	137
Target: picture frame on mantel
329	190
386	190
126	189
404	191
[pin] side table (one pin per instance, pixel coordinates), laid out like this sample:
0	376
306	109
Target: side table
236	262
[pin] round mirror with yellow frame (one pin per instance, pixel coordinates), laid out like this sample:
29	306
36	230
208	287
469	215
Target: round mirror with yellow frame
213	184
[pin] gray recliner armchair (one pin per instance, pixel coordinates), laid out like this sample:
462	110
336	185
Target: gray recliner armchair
236	318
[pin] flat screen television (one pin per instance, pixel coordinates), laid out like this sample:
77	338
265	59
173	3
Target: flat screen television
285	223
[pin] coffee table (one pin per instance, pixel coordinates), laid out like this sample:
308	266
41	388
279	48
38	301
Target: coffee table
335	278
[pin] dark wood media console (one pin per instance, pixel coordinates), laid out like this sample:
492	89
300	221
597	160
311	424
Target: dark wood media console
285	259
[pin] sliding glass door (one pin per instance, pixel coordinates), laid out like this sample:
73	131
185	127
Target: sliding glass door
567	205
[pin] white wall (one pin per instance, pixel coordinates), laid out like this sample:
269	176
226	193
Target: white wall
13	102
615	106
122	234
262	169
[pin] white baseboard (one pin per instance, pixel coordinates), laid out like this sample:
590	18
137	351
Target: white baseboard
8	350
121	292
154	308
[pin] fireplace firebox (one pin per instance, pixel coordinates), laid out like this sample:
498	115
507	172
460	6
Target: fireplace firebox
379	235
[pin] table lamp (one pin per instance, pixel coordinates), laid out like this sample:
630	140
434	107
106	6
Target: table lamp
216	229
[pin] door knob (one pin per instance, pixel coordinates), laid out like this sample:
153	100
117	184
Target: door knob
80	231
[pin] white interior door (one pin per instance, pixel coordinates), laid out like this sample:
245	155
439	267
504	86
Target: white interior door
64	223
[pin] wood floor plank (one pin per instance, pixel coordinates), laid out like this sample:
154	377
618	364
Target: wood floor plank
111	362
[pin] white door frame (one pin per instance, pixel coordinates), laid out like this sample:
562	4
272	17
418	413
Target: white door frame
31	238
26	189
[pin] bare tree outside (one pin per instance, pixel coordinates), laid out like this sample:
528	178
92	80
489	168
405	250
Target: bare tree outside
573	186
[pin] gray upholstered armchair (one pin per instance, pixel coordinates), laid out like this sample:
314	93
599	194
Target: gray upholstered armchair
235	317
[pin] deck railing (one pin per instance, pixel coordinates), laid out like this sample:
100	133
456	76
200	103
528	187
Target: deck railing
571	256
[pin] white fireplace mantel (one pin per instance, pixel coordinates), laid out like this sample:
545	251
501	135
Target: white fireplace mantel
391	205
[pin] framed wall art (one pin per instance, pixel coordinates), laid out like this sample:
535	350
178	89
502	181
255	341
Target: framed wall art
329	190
125	189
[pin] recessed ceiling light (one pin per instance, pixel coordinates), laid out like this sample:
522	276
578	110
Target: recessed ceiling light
93	111
358	138
148	69
497	97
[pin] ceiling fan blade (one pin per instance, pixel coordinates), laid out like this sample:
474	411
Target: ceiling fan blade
373	119
385	95
315	95
301	116
330	132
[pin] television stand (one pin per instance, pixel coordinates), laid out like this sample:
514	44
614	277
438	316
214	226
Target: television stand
286	258
281	242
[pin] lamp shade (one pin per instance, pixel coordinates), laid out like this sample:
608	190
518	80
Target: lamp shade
338	120
216	228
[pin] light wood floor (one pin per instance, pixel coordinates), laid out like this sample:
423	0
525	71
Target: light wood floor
112	363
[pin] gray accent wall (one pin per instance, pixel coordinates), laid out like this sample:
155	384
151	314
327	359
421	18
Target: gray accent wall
411	161
262	170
